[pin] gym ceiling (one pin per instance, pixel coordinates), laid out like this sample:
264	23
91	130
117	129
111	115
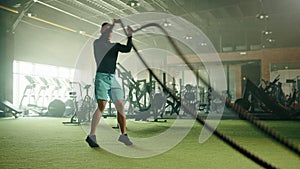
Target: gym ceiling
230	24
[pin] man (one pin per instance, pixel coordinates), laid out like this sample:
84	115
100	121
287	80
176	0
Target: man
106	54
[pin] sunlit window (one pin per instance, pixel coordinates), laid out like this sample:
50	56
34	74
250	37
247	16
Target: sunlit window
39	83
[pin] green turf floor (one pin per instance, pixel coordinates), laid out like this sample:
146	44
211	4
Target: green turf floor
42	142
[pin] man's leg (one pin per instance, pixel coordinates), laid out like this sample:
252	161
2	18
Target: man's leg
97	116
119	104
91	138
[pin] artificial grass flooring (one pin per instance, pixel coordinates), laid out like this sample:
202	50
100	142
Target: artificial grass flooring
43	142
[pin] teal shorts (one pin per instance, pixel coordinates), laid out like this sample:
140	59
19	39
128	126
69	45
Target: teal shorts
106	85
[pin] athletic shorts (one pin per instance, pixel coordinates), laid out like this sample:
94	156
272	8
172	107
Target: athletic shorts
106	85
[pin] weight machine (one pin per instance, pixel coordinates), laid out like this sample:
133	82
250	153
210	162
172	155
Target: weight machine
156	109
172	106
266	101
139	93
189	98
143	101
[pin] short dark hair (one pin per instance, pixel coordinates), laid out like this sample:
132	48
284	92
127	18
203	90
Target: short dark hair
103	24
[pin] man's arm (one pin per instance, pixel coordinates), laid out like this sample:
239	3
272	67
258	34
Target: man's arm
128	46
106	33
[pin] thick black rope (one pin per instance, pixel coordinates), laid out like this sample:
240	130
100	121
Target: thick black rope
255	121
245	114
198	118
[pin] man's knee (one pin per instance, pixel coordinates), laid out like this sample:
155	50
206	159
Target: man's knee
101	105
120	107
119	103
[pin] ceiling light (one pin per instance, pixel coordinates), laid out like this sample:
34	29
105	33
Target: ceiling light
29	14
188	37
203	44
266	32
82	32
133	3
166	23
243	53
262	16
270	40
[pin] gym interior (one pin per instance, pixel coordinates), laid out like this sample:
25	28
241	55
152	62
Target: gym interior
206	83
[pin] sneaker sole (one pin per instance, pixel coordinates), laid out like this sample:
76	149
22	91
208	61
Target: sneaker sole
91	143
127	144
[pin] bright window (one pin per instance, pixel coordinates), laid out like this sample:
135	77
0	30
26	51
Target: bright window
39	83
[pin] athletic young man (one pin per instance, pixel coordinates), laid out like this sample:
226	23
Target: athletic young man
106	54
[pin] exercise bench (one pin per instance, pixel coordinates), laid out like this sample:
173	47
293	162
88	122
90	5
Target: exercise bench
8	106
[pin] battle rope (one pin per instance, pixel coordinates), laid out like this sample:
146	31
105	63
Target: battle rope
244	113
255	121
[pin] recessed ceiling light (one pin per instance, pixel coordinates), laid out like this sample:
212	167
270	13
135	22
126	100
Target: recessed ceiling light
266	32
262	16
133	3
188	37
